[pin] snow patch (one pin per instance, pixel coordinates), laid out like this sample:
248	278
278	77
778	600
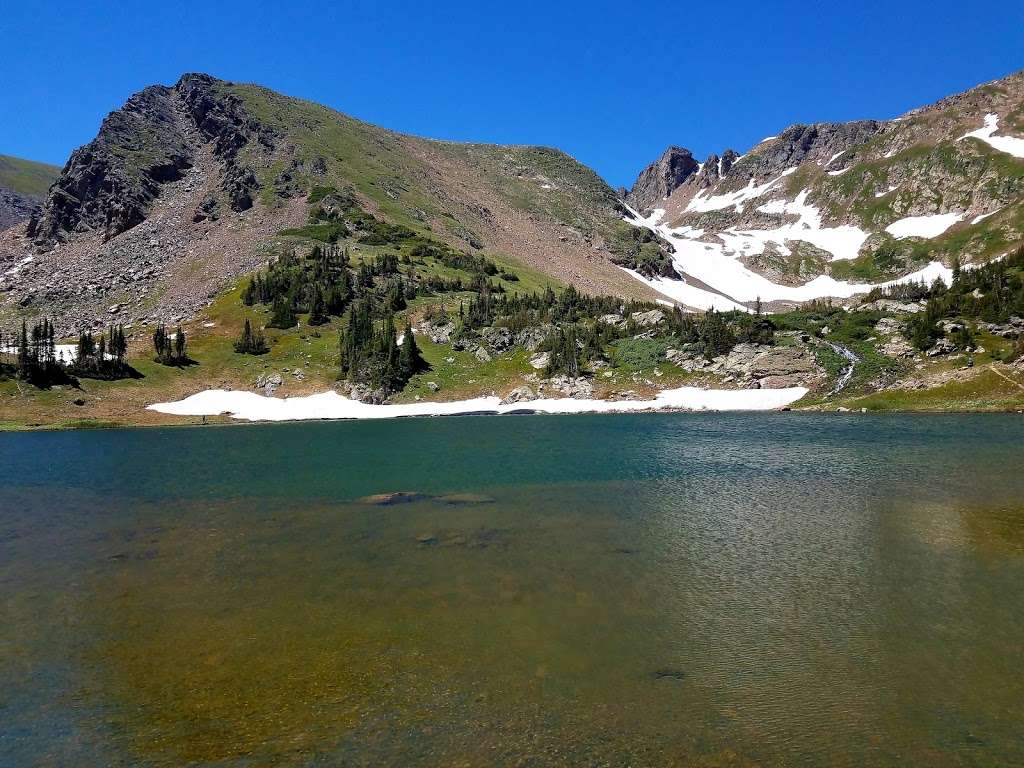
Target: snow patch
923	226
701	204
729	284
1008	144
982	217
250	406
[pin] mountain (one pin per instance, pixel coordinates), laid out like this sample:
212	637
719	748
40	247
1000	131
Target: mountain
186	187
824	210
23	185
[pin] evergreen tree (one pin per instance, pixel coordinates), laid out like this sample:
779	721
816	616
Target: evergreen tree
179	346
283	313
317	307
410	360
251	342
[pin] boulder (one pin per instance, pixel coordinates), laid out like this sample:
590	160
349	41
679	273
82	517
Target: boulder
532	337
269	382
540	360
440	333
519	395
897	346
578	387
942	347
647	319
496	339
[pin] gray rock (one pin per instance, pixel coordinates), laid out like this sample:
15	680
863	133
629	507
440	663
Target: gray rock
942	347
519	395
579	387
269	383
662	177
440	333
647	319
497	339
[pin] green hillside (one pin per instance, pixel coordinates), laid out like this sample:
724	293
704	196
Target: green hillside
27	177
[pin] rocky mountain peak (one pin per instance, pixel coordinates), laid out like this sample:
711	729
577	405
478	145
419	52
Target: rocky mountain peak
817	142
109	185
662	177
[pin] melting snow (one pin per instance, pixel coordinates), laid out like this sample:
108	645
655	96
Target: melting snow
728	281
702	204
834	157
250	406
1008	144
979	219
890	189
923	226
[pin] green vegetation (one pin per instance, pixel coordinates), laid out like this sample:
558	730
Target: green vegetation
251	342
170	348
27	177
31	356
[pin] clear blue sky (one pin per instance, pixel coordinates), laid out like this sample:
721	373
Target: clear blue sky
612	83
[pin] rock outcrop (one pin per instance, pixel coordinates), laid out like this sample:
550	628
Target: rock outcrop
662	177
15	207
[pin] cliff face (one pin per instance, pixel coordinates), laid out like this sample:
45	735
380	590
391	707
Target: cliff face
662	177
110	184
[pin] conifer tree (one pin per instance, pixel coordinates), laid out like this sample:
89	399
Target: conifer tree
411	360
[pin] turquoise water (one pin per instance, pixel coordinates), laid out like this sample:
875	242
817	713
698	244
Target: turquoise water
703	589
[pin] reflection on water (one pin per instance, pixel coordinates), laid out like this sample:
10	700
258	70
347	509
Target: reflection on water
691	590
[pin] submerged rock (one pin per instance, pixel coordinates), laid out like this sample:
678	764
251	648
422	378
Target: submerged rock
393	498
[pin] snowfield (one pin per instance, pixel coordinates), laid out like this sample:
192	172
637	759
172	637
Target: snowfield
701	204
1011	145
727	281
923	226
249	406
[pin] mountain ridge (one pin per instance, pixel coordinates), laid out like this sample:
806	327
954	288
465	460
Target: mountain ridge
214	171
836	202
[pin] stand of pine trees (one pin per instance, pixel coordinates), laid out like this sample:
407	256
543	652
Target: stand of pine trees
371	354
31	355
103	357
251	342
992	293
170	349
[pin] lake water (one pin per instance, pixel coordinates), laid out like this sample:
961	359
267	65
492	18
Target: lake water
707	589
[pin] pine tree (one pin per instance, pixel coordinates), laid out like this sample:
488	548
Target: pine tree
179	346
410	359
283	313
251	342
317	307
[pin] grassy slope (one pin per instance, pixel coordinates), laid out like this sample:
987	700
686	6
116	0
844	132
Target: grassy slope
407	179
27	177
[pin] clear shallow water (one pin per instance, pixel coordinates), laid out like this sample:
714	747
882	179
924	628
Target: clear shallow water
778	589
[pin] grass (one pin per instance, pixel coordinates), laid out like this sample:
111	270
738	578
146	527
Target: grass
27	177
984	391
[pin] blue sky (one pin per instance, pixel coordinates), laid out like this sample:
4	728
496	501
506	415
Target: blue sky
612	83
